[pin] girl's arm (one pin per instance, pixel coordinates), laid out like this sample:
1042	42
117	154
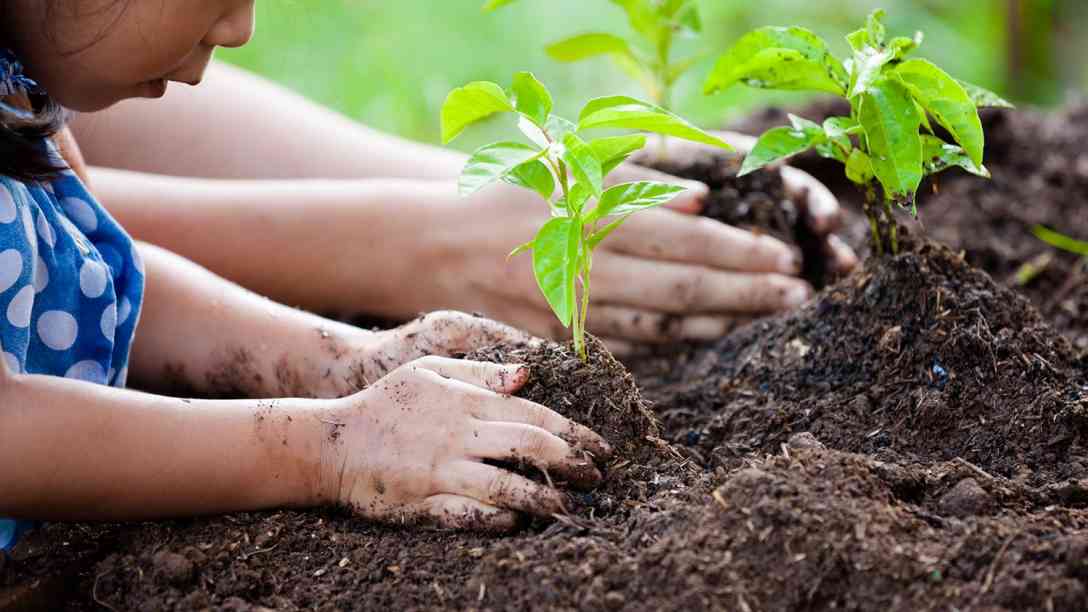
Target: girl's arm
411	445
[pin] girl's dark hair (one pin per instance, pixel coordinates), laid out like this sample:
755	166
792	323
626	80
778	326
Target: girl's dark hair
22	154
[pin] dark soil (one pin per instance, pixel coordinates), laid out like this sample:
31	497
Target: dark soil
914	438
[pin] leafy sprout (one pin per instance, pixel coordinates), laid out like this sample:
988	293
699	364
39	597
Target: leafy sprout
648	57
889	140
1061	241
568	171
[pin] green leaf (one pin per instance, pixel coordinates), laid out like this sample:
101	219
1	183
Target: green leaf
575	200
492	5
779	58
874	26
984	97
805	126
628	113
938	155
941	96
629	198
836	127
596	237
558	128
891	123
533	175
531	98
901	46
838	131
521	248
689	19
613	150
775	144
583	164
858	39
492	163
1061	241
582	46
467	105
868	64
859	168
555	265
645	19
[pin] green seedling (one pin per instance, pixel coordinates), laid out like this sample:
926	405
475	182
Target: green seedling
568	172
1061	241
888	142
648	57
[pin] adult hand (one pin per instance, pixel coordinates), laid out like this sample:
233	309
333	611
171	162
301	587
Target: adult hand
411	447
666	275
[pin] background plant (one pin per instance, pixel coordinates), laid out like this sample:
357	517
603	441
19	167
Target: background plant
888	143
648	58
568	172
1061	241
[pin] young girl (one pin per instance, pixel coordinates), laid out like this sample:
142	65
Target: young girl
392	427
74	287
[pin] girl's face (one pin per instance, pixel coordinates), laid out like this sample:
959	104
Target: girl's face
90	54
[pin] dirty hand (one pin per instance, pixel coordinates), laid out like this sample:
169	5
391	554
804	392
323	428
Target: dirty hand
360	359
411	448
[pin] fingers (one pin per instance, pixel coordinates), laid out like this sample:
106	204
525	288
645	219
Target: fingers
449	332
842	257
820	205
459	512
497	377
685	151
690	201
665	235
524	444
634	324
501	488
524	413
686	289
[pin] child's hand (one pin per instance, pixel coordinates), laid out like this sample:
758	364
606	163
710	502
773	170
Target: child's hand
412	446
445	333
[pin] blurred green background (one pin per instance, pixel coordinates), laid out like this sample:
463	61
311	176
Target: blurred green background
390	64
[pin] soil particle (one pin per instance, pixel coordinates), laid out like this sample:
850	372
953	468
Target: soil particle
967	498
173	567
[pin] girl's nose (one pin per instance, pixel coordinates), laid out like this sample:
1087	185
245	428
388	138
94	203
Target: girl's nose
235	28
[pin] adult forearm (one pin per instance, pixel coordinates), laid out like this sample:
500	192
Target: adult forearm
288	239
201	334
239	125
76	451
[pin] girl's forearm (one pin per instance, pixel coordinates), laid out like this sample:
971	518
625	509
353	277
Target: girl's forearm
76	451
200	334
287	239
239	125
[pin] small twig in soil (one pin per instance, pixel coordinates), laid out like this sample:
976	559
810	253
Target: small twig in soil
974	468
993	565
246	556
94	592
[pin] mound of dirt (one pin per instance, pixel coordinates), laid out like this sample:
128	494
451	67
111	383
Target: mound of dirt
913	358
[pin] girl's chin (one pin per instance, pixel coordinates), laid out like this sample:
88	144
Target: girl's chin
153	89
